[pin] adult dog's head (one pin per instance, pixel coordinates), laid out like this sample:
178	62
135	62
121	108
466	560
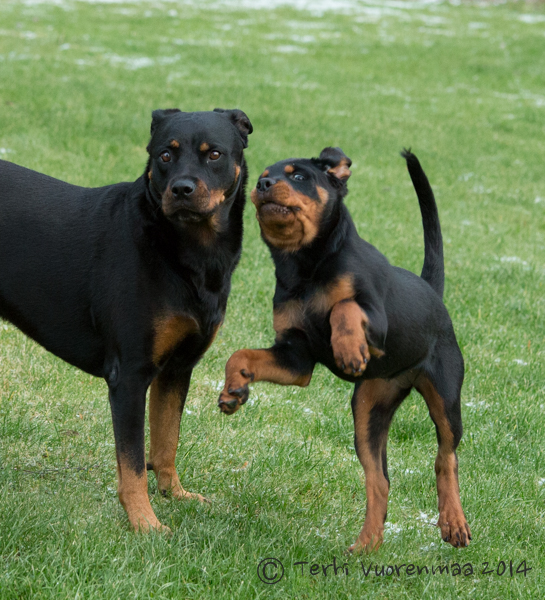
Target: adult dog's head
195	163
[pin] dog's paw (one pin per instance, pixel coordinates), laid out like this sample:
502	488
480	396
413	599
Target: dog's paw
455	530
235	393
351	354
366	543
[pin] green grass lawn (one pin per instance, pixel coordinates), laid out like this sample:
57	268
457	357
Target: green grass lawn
464	86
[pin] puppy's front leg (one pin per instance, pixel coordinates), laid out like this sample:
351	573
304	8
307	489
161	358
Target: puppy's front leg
288	362
348	338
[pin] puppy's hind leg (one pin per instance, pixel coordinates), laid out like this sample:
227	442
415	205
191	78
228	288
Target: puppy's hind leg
373	406
441	391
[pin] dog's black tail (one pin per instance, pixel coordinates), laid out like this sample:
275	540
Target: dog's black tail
433	270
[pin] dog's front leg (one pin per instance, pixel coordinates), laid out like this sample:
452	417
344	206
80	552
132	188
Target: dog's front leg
167	399
288	362
128	404
351	350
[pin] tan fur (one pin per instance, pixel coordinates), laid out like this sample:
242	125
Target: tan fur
296	230
371	393
164	420
174	144
341	171
149	174
264	174
452	520
133	494
237	172
288	315
289	169
169	332
340	289
204	147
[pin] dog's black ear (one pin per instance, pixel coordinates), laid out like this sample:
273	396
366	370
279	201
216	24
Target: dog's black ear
240	120
159	115
336	163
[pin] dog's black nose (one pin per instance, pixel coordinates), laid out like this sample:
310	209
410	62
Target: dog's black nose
265	183
183	187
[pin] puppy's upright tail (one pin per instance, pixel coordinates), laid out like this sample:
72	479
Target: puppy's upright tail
433	270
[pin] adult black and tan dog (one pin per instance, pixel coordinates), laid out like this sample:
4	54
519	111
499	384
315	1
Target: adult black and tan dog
340	303
129	282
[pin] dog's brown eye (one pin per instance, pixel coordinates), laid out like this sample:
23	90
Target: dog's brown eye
165	156
214	155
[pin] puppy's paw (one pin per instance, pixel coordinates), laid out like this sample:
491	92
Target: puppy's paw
454	529
236	392
351	354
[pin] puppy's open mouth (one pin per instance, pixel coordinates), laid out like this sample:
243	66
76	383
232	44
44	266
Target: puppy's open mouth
271	208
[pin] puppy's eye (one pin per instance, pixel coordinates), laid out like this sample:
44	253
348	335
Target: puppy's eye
165	156
299	177
214	155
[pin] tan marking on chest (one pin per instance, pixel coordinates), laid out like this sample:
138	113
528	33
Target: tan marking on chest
340	289
169	332
288	315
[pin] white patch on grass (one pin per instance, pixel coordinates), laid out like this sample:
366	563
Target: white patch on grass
290	49
5	151
520	362
140	62
513	259
538	200
531	19
541	481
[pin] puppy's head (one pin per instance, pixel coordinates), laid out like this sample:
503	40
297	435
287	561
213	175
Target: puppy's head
294	198
195	161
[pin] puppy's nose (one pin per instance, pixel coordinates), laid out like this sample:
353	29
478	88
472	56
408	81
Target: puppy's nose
183	188
265	183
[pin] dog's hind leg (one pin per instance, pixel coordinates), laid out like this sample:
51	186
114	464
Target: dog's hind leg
373	406
128	404
168	392
442	395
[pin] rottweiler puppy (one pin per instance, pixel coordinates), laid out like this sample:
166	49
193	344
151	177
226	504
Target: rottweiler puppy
339	302
129	282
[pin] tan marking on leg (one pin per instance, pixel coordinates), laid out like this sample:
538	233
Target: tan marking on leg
452	520
174	144
246	366
133	495
204	147
169	332
371	393
164	419
340	289
288	315
348	341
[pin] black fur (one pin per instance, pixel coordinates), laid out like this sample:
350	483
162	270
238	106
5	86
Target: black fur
87	272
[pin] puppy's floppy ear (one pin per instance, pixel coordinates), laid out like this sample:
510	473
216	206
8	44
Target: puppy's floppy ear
159	115
336	163
240	120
